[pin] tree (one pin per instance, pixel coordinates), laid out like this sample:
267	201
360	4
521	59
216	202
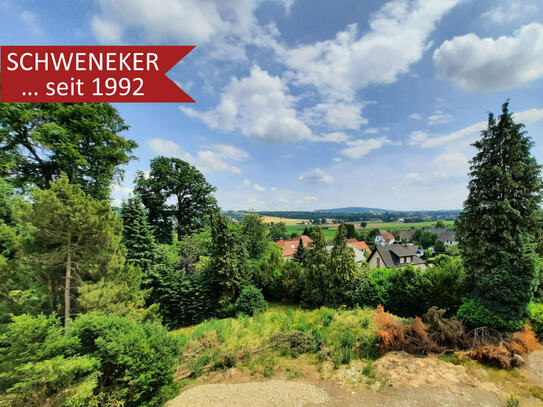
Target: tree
75	237
41	141
498	226
228	262
317	270
349	227
439	247
255	235
301	253
363	224
138	236
342	269
172	179
278	231
440	224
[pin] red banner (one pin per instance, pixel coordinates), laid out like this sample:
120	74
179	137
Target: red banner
90	74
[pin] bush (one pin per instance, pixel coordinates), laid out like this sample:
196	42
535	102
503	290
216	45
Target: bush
535	313
294	342
475	314
250	301
101	360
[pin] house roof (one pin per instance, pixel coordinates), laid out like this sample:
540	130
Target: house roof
443	234
387	236
290	246
391	255
359	244
407	235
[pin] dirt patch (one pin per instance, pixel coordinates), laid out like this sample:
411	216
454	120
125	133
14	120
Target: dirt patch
534	366
273	393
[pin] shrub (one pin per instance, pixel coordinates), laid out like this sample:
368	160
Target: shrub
444	331
294	342
250	301
101	360
535	313
475	314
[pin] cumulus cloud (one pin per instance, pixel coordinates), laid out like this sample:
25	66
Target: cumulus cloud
439	117
424	140
316	176
336	115
306	200
361	147
260	106
259	188
487	64
397	37
511	11
415	116
215	158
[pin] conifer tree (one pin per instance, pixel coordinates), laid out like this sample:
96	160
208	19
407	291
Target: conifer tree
300	254
317	270
341	271
138	235
498	226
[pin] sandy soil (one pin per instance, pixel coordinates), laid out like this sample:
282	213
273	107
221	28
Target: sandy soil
403	381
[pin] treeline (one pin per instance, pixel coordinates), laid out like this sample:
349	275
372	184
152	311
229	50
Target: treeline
408	217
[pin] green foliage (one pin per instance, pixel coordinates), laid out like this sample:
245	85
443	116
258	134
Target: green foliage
250	301
498	227
73	237
342	269
255	235
446	283
535	313
278	231
104	360
439	247
193	201
300	256
474	314
138	236
41	141
316	271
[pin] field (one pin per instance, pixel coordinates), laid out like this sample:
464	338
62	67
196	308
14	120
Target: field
330	230
287	221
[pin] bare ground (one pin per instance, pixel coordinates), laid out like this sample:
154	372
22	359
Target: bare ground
401	380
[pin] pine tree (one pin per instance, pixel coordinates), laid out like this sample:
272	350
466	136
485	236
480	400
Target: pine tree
341	271
138	235
317	270
498	226
300	254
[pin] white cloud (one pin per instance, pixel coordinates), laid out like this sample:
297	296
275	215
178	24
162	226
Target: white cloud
424	140
216	158
415	116
259	188
316	176
336	115
359	148
487	64
397	37
306	200
121	189
513	10
260	106
335	137
246	182
439	117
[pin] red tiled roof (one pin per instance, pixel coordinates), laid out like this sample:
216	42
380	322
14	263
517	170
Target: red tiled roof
359	244
290	246
387	236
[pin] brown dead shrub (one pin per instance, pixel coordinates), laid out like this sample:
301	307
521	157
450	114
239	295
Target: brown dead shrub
448	332
527	339
492	355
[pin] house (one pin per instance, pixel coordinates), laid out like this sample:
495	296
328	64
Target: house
384	238
290	246
406	235
360	249
397	255
446	236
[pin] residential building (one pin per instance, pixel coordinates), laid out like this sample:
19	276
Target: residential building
384	238
360	249
397	255
290	246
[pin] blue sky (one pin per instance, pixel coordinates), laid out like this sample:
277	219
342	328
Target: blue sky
310	104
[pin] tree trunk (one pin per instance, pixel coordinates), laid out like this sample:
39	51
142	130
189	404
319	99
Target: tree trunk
67	286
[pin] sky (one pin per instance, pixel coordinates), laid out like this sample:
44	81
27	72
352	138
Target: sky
316	104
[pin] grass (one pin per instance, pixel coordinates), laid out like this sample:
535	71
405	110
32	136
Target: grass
330	230
287	221
270	342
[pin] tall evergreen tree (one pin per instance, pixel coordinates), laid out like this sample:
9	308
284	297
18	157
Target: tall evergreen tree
317	270
138	235
228	262
255	235
342	269
301	253
498	226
